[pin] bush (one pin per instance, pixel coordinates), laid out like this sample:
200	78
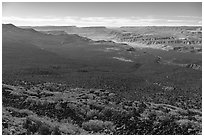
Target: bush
97	125
109	114
44	129
93	125
109	125
69	129
40	125
92	113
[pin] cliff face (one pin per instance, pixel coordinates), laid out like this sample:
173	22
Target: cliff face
151	39
166	36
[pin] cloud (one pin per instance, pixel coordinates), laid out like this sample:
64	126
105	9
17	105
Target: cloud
29	19
96	21
194	17
175	20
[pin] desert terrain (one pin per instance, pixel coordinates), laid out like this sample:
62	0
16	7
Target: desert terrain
101	81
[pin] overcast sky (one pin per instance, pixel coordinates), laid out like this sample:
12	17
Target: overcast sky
102	14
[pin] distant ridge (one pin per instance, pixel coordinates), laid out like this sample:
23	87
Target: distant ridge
7	27
45	26
96	27
159	26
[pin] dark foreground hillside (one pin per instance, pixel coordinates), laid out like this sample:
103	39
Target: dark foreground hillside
52	108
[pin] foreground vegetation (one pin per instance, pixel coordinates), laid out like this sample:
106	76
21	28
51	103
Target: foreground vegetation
52	108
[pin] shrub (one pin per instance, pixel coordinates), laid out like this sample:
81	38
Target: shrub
69	129
92	113
5	131
95	105
98	125
107	112
44	129
93	125
141	107
39	125
26	111
109	125
56	131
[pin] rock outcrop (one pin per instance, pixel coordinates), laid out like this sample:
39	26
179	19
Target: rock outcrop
166	36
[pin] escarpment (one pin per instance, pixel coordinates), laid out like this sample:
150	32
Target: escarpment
149	39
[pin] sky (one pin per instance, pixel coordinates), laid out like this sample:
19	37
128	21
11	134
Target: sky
110	14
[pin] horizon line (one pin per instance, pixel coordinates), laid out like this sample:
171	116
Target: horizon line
102	26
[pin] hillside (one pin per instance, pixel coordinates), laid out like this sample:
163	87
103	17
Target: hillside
49	42
39	67
51	108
